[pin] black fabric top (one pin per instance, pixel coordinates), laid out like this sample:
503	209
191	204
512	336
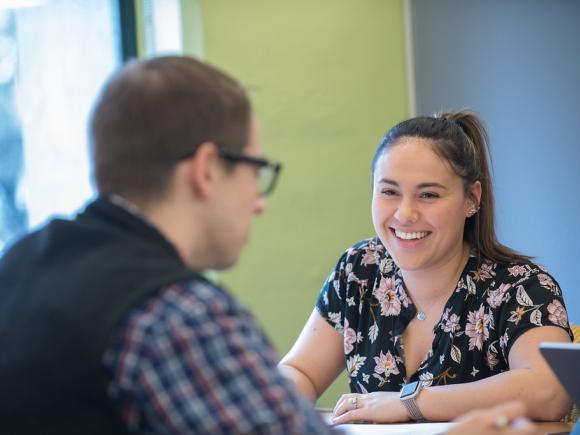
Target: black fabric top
364	298
63	289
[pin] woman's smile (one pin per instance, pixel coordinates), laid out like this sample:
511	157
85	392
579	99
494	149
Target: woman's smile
409	239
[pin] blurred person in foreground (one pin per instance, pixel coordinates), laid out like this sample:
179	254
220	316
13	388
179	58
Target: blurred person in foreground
107	325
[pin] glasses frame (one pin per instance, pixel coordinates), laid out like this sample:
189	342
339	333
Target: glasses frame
235	156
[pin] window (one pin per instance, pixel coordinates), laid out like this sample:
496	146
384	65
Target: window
162	27
54	58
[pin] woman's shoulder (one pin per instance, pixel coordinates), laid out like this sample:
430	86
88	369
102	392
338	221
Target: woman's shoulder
368	253
360	264
498	283
517	273
365	258
521	295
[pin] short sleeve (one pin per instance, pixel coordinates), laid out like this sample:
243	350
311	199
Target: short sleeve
533	302
330	302
341	291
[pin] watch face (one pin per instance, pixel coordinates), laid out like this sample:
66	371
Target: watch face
409	389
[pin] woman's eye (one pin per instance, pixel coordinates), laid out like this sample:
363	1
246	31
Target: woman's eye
429	195
388	192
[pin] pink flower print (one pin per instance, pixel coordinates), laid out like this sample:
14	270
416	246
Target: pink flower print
387	297
557	313
404	298
545	280
374	246
483	273
477	328
516	315
349	338
496	296
380	291
390	306
370	257
491	359
517	270
386	364
451	323
487	269
494	299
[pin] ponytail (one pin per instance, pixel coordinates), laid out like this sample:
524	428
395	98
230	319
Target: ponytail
461	139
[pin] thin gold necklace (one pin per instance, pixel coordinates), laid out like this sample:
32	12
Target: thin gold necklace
421	315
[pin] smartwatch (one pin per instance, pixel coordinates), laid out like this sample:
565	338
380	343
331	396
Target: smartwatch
408	397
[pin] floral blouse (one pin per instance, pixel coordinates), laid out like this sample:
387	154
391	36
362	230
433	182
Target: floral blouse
493	304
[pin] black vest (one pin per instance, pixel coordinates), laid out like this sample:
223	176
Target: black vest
63	290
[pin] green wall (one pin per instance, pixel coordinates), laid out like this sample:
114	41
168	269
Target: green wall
327	78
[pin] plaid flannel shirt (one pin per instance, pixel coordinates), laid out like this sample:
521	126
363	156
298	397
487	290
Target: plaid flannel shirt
192	360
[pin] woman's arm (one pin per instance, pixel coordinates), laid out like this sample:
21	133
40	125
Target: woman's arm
316	359
504	419
529	380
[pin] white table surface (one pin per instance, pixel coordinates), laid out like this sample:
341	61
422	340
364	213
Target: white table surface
402	429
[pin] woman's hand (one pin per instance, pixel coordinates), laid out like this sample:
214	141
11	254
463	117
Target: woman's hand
506	419
377	407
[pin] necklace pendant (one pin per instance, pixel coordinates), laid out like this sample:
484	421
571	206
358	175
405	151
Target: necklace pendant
421	316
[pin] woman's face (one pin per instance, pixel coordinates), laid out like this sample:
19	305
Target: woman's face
419	206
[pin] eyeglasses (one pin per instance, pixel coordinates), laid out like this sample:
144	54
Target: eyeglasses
268	172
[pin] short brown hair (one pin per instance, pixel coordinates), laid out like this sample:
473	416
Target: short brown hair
154	112
461	139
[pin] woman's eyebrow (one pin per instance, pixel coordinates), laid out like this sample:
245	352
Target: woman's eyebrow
388	181
432	184
419	186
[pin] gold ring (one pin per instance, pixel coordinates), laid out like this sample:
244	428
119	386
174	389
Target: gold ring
354	401
501	421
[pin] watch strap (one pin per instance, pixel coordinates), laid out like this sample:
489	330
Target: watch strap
410	401
413	409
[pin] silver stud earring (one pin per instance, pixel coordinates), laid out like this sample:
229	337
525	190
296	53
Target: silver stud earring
472	211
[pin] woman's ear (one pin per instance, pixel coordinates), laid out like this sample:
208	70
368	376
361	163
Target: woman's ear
473	199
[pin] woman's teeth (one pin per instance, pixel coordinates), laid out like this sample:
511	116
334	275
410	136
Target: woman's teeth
410	236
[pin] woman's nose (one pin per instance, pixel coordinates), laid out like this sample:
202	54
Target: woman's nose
407	213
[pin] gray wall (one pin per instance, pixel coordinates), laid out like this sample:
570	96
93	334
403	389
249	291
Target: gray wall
516	63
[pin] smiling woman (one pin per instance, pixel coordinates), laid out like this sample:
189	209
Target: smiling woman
434	303
420	206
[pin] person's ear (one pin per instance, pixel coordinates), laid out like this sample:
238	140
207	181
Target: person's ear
473	199
202	170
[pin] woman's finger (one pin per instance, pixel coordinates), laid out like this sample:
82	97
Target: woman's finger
347	402
338	404
350	416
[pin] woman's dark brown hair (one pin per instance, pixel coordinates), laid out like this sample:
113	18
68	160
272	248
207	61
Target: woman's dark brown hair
460	138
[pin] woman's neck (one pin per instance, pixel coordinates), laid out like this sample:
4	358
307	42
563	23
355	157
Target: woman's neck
429	286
